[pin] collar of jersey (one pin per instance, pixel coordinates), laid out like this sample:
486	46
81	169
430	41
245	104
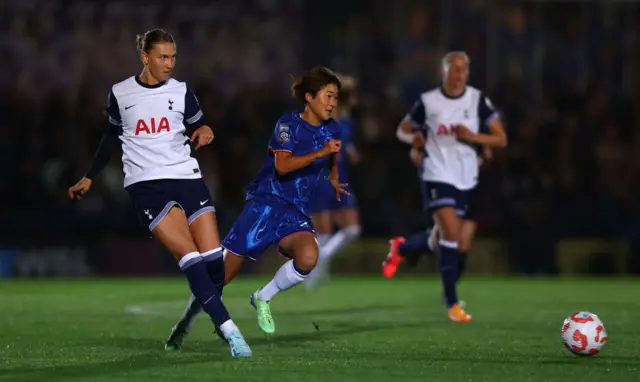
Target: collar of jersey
445	95
296	115
147	85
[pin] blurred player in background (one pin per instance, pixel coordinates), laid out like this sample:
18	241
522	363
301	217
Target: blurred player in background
156	118
301	156
448	122
326	209
426	242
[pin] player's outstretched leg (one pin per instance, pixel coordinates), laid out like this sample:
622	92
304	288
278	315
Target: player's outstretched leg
182	328
303	249
215	266
173	232
214	259
401	249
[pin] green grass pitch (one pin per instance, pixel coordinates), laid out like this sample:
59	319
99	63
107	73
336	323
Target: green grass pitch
368	329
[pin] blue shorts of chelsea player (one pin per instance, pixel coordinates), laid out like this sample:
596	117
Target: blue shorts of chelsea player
437	195
324	199
264	221
153	199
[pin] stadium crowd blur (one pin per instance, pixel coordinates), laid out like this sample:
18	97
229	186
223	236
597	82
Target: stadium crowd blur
562	76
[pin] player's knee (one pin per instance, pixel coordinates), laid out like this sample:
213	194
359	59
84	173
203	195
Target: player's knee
306	259
450	235
178	243
181	249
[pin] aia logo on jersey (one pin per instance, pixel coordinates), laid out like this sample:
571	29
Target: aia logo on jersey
152	128
444	130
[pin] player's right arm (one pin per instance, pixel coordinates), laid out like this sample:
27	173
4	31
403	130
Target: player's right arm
282	144
410	128
106	147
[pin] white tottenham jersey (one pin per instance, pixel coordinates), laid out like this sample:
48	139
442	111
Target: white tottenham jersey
151	121
447	159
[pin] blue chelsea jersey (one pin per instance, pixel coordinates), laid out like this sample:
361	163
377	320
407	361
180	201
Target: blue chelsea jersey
297	136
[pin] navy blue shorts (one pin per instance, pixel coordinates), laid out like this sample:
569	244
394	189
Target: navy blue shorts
154	199
324	199
437	195
264	222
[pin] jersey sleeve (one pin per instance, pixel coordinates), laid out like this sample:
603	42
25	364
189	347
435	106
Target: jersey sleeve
107	145
417	115
109	140
486	110
193	116
112	111
282	138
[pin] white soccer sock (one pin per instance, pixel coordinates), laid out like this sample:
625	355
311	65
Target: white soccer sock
323	238
228	327
339	240
286	278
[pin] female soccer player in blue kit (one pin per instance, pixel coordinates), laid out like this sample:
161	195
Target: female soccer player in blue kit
301	155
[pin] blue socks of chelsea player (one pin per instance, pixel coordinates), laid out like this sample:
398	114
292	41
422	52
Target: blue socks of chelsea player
448	267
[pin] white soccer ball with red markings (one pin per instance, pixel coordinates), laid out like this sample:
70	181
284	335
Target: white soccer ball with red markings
584	333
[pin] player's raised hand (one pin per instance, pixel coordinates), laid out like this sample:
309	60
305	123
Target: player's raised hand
204	135
78	190
333	146
463	133
340	188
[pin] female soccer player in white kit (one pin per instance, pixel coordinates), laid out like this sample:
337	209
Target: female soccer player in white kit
156	118
451	118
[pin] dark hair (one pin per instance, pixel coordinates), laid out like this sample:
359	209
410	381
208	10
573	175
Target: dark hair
145	42
312	81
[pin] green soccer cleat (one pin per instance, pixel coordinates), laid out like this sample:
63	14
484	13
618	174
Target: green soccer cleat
265	320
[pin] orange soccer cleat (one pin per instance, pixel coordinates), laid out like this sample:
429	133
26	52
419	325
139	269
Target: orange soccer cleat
456	314
393	260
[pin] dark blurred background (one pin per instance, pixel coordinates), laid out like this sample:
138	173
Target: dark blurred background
562	198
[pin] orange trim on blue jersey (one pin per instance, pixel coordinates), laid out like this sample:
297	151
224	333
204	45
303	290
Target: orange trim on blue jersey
279	151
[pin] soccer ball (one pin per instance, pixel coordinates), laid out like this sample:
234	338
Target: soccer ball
583	333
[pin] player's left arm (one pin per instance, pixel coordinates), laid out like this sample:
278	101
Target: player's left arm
195	122
489	117
334	177
107	145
